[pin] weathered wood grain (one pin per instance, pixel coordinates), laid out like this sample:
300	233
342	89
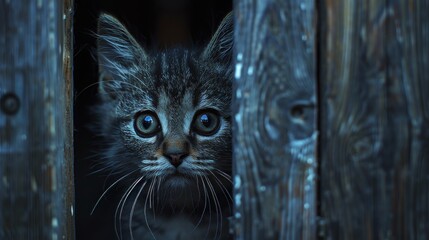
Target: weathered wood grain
408	62
374	119
36	153
274	120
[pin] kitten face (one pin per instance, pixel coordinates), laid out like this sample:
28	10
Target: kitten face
178	126
166	116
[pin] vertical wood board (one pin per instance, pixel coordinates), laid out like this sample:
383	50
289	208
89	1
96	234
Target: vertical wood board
274	120
36	153
374	119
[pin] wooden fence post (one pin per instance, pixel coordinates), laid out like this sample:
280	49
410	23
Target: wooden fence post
36	153
375	119
274	120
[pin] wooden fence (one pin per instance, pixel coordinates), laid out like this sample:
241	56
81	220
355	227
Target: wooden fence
331	119
36	153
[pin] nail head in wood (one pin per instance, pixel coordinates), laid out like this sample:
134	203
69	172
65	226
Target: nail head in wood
9	103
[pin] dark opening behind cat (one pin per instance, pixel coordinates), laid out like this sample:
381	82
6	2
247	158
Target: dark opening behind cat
165	121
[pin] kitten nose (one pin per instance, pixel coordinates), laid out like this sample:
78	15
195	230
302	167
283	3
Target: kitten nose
176	159
175	150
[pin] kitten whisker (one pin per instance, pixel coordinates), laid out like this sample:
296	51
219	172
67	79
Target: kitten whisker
210	211
202	161
223	174
121	204
205	204
217	208
125	200
204	169
153	194
150	162
224	189
199	192
145	214
151	190
157	196
104	169
222	185
132	209
86	88
192	171
104	193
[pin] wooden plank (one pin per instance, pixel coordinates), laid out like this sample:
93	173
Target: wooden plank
68	228
408	62
274	121
374	119
36	153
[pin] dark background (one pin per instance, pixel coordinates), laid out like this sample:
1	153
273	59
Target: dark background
156	24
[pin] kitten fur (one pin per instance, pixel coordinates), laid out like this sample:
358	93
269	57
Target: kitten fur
177	183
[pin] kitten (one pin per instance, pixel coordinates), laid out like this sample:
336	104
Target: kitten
165	120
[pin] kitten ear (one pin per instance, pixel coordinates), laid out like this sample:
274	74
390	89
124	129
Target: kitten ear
118	53
220	46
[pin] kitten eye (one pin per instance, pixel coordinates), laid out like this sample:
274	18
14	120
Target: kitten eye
206	122
146	124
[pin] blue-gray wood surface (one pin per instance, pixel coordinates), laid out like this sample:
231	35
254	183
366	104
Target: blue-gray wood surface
36	171
275	120
374	63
